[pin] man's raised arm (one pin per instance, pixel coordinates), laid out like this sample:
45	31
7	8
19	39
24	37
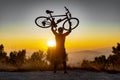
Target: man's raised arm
52	27
69	31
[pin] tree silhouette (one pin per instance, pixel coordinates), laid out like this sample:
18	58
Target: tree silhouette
37	61
37	56
17	58
114	60
13	58
116	50
3	55
21	57
1	48
100	59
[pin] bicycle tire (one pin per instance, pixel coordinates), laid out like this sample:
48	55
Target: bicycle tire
39	24
72	27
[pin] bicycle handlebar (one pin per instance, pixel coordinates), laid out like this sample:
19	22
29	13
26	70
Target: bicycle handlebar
66	9
68	12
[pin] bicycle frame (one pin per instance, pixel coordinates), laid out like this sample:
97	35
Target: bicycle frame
66	17
58	15
61	19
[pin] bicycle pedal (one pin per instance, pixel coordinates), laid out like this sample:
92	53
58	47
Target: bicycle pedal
43	23
59	20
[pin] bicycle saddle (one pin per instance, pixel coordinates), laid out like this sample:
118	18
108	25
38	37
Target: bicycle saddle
48	11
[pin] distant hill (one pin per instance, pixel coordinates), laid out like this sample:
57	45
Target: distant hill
76	57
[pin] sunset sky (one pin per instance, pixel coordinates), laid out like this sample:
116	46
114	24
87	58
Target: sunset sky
99	23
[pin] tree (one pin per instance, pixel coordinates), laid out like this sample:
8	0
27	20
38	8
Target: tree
114	60
17	58
37	61
1	48
13	57
100	59
116	50
21	57
3	55
37	56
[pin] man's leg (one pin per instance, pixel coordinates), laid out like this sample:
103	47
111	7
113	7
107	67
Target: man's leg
55	67
65	67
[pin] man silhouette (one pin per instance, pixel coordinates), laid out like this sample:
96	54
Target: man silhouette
60	52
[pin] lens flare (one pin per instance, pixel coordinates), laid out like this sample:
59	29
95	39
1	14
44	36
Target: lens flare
51	43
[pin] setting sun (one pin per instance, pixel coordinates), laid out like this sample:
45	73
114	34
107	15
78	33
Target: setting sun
51	43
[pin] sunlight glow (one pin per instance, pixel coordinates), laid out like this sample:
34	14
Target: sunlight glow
51	43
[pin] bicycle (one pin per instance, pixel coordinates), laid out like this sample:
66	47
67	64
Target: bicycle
45	22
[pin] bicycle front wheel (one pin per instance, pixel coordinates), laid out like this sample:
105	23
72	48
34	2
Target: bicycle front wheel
74	23
43	22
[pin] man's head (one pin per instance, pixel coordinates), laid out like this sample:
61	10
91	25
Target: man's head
60	30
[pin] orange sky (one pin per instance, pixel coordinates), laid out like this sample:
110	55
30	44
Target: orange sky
99	24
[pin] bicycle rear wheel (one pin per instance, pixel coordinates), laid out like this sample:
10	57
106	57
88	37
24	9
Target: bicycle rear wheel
74	23
43	22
